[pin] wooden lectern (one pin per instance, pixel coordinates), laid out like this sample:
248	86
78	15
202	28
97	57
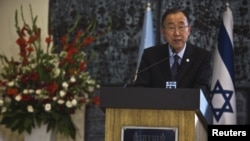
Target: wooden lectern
186	109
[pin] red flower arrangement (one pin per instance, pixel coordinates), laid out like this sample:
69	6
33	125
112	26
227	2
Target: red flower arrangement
43	87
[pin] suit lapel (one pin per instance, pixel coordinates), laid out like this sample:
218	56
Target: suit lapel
186	62
165	67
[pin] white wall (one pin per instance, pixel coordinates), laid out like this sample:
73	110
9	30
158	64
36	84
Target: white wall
9	47
7	23
8	37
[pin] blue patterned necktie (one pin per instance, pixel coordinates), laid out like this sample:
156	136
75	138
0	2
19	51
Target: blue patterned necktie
175	67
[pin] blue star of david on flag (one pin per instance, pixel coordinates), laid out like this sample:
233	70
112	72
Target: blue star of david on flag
226	95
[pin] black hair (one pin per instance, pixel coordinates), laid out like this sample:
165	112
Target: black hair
173	11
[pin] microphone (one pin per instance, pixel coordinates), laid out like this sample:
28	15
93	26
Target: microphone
174	51
146	68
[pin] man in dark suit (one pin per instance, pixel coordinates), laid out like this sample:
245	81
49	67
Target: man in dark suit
193	67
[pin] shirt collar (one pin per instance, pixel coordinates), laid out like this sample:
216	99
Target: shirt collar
180	54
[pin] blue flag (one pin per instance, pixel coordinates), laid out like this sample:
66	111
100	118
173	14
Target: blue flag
147	37
223	99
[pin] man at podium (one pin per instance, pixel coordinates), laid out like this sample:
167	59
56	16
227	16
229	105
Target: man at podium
177	63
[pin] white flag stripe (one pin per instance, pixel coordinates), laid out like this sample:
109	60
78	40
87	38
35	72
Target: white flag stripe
222	88
147	36
221	73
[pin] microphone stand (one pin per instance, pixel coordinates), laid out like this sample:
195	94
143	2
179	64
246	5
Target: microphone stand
138	72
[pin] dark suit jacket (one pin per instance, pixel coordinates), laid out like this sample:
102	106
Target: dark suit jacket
194	70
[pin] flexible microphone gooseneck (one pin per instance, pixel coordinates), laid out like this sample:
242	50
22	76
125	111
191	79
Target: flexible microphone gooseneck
146	68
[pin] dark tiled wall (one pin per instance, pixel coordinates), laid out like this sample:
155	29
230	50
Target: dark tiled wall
95	124
117	49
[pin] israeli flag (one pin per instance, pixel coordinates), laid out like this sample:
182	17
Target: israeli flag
223	99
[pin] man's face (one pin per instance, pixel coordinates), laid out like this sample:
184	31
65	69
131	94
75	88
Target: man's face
176	30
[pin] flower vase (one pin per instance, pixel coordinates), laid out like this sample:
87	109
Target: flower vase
40	134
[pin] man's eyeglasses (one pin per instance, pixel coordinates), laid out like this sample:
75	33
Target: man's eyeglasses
173	28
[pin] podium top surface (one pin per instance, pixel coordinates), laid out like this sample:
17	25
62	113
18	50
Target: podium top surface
154	98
